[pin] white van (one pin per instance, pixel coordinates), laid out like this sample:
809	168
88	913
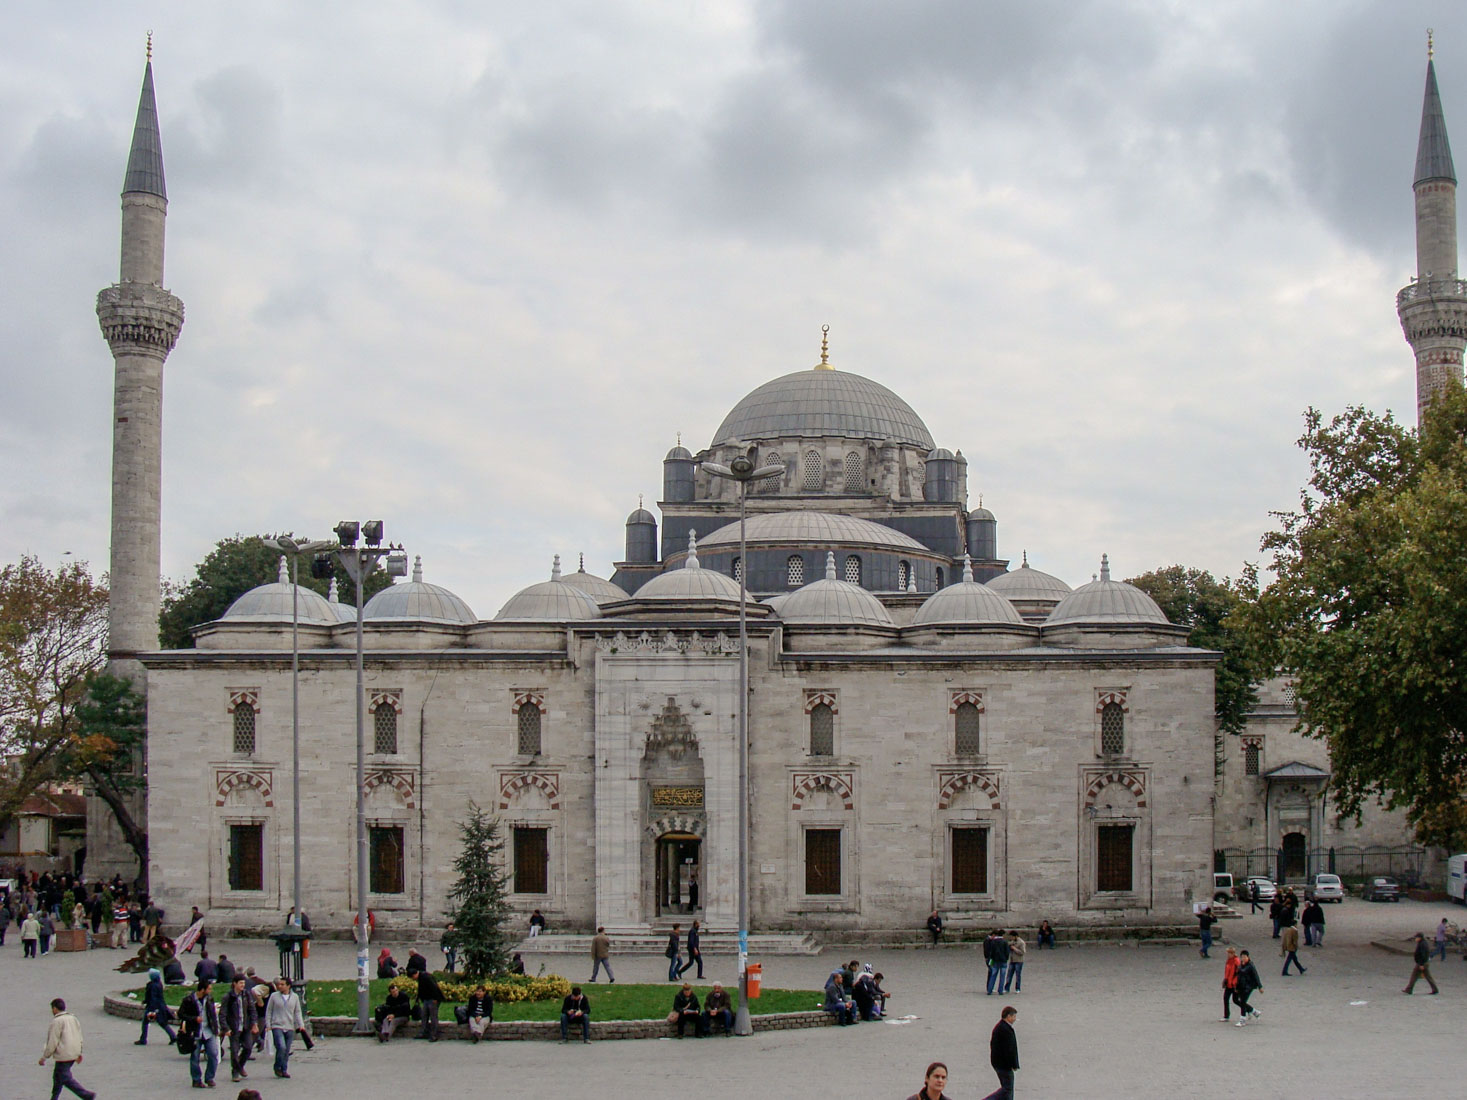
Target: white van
1457	878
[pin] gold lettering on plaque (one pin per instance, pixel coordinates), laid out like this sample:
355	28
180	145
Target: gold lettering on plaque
677	796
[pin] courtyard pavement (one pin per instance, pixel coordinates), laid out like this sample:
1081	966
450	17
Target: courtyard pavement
1095	1021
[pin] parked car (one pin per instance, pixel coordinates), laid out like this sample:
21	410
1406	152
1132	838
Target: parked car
1222	885
1325	888
1382	889
1266	889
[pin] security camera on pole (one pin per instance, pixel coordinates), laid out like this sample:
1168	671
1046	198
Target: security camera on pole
742	470
359	562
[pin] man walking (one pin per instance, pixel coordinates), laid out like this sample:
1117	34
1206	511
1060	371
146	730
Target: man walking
1246	981
1205	921
1253	897
199	1018
1003	1054
64	1046
1017	949
1441	939
674	953
241	1024
1421	969
283	1018
1289	949
996	952
601	954
695	952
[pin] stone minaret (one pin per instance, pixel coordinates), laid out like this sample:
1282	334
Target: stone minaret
1433	308
140	321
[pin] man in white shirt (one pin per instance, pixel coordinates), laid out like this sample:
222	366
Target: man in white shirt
64	1045
283	1018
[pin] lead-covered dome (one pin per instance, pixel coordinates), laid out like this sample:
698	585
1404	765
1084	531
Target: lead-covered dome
814	529
1107	601
1028	583
691	582
966	602
275	603
813	403
549	601
833	602
600	590
417	601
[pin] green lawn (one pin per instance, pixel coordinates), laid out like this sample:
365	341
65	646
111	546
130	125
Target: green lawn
608	1001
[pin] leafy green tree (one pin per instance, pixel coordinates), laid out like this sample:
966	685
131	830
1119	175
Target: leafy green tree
112	720
231	569
1368	609
53	630
478	908
1207	607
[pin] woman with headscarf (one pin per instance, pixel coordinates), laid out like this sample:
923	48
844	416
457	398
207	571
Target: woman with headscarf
386	965
155	1009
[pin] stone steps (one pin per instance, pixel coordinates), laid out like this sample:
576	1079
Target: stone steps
655	943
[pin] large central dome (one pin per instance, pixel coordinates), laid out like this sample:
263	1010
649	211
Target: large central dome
813	403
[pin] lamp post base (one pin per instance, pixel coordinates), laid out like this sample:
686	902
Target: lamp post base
743	1023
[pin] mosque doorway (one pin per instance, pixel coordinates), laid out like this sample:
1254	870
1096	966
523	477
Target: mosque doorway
1293	858
678	878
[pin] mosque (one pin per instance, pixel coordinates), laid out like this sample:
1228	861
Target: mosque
928	726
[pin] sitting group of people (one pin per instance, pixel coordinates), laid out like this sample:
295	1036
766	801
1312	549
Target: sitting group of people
853	993
717	1009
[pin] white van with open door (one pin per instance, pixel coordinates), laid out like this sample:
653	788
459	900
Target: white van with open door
1457	878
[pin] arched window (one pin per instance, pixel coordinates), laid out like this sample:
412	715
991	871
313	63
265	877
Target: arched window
244	728
795	571
965	730
853	570
772	485
939	578
384	728
814	472
1112	729
737	569
529	729
855	473
1252	751
904	575
822	730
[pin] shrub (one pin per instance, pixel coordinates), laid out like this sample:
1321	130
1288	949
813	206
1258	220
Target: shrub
506	988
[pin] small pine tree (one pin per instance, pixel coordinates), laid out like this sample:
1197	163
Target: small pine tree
478	908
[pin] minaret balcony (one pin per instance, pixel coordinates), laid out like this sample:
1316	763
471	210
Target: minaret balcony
1429	290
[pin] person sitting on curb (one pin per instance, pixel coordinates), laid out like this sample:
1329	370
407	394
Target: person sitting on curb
479	1011
837	1003
685	1009
391	1013
575	1011
717	1009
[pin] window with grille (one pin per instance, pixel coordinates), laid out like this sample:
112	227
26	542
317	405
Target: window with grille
1112	729
1251	755
531	860
822	861
1113	857
385	852
244	729
772	485
855	473
795	571
970	860
247	855
814	472
738	569
965	729
384	728
853	570
940	580
904	575
822	730
529	730
1291	694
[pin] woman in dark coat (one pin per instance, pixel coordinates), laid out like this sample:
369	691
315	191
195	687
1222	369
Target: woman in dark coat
155	1009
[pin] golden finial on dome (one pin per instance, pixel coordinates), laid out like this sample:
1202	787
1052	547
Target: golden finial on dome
824	363
150	46
1429	48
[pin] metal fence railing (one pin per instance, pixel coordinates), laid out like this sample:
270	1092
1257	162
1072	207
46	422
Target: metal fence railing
1404	864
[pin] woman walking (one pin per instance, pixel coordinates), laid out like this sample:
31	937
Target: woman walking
1229	983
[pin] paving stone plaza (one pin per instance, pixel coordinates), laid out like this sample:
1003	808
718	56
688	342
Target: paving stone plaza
1096	1021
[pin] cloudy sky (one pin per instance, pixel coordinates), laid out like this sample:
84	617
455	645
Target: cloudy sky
471	266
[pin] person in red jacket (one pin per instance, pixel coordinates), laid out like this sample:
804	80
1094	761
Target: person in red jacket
1229	983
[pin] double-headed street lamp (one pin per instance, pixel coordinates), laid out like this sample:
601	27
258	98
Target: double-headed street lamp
359	562
743	471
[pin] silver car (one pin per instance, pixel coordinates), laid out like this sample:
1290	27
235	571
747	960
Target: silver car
1325	888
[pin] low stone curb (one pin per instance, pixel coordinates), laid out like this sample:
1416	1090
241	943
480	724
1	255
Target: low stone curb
121	1005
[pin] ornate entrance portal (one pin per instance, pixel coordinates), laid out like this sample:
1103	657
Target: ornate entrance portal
678	890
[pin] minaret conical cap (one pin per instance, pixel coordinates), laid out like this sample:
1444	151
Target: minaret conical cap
1433	151
145	161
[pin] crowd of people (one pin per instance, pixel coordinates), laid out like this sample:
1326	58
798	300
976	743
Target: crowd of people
39	904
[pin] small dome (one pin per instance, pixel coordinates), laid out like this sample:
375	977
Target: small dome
641	515
1025	583
980	513
691	582
275	603
966	602
346	612
833	602
679	454
774	603
602	591
1106	601
549	601
418	602
941	454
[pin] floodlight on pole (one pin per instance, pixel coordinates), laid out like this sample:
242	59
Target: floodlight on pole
742	471
295	548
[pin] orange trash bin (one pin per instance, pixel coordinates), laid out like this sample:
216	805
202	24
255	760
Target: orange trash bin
756	978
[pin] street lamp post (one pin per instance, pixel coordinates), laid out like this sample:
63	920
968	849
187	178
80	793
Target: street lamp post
295	548
359	562
742	471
